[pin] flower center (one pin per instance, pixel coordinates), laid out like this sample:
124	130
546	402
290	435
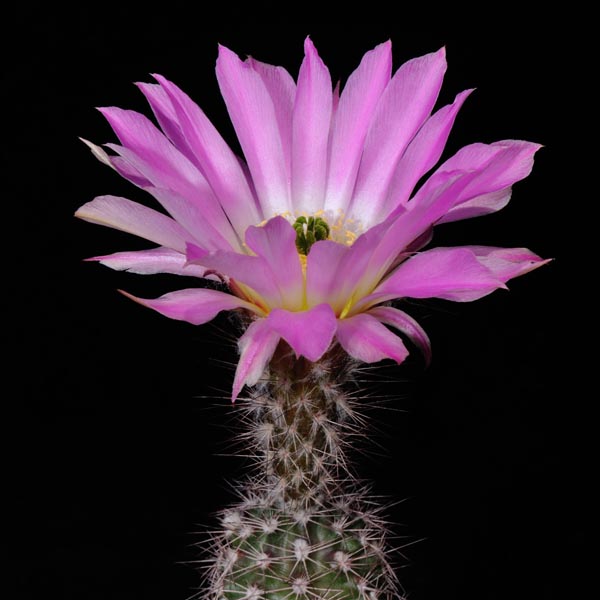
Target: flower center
308	231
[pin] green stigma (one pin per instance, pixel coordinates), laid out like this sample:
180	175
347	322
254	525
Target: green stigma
308	231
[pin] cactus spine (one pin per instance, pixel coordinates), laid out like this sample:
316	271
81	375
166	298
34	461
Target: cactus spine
297	533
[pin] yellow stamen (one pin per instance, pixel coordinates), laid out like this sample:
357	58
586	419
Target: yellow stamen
347	307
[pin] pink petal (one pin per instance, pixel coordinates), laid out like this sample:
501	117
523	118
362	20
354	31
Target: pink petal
255	120
450	273
507	263
308	332
282	89
413	223
257	346
150	262
218	163
311	124
484	204
192	218
195	305
118	164
190	213
366	339
147	150
404	106
252	271
474	174
275	243
324	263
131	217
406	325
165	114
353	116
423	153
499	166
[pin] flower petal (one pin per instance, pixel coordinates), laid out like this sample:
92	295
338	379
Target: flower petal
252	271
275	243
131	217
423	153
165	114
499	166
149	152
352	119
450	273
253	115
256	346
118	164
218	163
507	263
308	332
406	325
404	106
192	218
484	204
323	265
311	124
194	305
282	90
150	262
366	339
413	222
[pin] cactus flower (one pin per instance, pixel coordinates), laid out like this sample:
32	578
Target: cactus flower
312	238
323	224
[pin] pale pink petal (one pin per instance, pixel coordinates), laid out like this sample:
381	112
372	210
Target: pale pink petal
275	243
507	263
311	124
423	153
191	217
323	265
404	106
253	115
150	262
165	114
499	165
484	204
406	325
194	305
475	170
336	99
282	89
131	217
366	339
352	119
450	273
150	152
334	271
195	253
252	271
217	162
308	332
190	213
118	164
412	224
256	346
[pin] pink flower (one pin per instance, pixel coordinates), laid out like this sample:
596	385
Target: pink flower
320	228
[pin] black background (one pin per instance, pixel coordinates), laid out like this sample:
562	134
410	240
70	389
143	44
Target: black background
118	415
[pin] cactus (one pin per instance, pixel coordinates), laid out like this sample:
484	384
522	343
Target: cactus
311	239
304	527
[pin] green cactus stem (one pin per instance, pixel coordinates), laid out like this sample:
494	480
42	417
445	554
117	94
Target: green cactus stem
303	530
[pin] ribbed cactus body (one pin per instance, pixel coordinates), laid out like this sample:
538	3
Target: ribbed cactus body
269	552
297	533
